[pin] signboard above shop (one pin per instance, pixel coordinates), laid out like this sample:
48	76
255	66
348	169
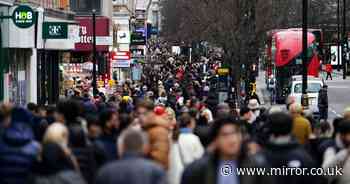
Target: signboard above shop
138	39
102	34
55	30
23	16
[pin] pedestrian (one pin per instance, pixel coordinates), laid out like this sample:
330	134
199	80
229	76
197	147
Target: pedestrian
110	124
319	141
132	168
245	117
158	130
284	151
329	70
57	163
323	102
301	126
227	139
18	149
340	159
254	106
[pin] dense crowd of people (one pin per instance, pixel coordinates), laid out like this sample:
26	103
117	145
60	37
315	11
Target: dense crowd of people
167	128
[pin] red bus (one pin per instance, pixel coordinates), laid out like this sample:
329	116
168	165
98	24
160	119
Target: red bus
284	51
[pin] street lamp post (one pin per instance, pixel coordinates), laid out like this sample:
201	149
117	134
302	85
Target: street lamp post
94	81
345	41
304	98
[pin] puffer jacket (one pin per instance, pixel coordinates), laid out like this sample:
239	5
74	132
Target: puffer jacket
18	153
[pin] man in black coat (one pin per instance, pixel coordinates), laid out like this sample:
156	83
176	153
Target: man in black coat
283	152
132	168
221	167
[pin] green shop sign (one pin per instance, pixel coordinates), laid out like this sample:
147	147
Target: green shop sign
23	16
55	30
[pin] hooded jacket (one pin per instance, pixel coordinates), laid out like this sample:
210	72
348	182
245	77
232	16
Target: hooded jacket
158	132
18	153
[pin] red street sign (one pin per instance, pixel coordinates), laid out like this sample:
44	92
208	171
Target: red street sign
121	55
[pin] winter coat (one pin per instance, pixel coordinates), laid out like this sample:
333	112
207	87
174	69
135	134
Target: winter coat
55	167
301	129
339	160
18	153
187	149
323	98
108	144
158	132
131	169
290	154
206	170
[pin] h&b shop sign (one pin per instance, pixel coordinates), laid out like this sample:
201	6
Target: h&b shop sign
23	16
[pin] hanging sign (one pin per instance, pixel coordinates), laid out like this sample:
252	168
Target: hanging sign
23	16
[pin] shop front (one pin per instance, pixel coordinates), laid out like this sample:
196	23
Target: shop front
76	73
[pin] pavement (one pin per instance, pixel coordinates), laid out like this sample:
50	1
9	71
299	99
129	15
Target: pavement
338	93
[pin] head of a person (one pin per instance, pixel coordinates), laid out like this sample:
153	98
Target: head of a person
94	128
33	108
133	141
296	109
226	134
253	105
68	111
56	133
290	100
144	109
245	113
125	121
171	117
109	120
280	124
186	121
322	129
344	132
223	108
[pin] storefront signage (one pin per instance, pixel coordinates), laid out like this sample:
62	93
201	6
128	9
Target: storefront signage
121	64
55	30
23	16
137	53
123	37
223	71
120	55
102	34
138	39
154	30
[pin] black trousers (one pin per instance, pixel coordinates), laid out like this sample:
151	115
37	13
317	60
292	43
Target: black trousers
329	74
323	113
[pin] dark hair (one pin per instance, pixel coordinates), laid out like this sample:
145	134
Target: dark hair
243	111
105	116
50	110
92	120
32	107
185	120
147	104
71	109
336	122
344	127
221	122
125	121
280	123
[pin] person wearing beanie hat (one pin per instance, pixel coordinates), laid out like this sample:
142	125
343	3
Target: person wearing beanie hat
283	150
301	125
